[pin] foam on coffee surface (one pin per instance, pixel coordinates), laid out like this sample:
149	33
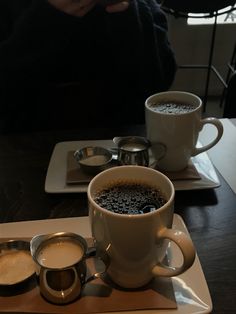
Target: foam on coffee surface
174	108
130	198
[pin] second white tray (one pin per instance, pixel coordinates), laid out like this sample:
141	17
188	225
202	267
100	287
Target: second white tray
56	175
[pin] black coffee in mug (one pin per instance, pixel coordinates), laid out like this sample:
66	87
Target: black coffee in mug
170	107
130	198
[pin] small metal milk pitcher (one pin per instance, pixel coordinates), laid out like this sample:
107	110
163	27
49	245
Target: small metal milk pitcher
61	265
132	150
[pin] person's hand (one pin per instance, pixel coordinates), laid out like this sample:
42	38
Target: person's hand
74	7
117	7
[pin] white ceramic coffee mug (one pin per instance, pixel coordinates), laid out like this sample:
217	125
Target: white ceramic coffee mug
177	131
136	245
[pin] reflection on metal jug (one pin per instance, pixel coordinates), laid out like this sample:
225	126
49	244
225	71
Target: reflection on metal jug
132	150
61	265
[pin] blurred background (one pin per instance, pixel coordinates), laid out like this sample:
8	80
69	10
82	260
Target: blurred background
191	41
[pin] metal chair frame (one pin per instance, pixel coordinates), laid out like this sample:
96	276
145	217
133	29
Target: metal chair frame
209	67
231	69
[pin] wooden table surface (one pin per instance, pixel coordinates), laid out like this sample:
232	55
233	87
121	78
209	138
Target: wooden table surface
210	215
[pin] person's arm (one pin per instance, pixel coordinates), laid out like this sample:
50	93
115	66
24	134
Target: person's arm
33	38
32	42
140	44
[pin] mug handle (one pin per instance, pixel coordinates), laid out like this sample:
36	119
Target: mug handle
220	129
186	247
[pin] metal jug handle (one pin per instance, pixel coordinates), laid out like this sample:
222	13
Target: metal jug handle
160	151
92	252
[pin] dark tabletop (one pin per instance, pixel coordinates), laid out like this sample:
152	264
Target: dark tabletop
210	215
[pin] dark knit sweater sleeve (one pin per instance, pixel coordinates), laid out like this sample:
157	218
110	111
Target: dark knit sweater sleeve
126	54
31	46
142	30
33	41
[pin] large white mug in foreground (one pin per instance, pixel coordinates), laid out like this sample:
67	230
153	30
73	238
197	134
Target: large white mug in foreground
136	244
173	118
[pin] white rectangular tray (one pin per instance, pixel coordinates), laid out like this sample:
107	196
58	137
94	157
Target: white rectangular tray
191	290
56	175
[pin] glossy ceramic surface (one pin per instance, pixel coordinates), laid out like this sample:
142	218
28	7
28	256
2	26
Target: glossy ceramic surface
177	131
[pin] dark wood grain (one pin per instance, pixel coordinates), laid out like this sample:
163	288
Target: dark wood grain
210	215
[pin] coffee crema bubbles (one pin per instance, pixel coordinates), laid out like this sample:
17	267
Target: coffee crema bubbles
130	198
171	107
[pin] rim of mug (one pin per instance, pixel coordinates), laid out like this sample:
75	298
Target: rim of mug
172	93
126	216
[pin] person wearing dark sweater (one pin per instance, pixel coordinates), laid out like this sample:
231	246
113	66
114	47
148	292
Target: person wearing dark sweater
72	63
